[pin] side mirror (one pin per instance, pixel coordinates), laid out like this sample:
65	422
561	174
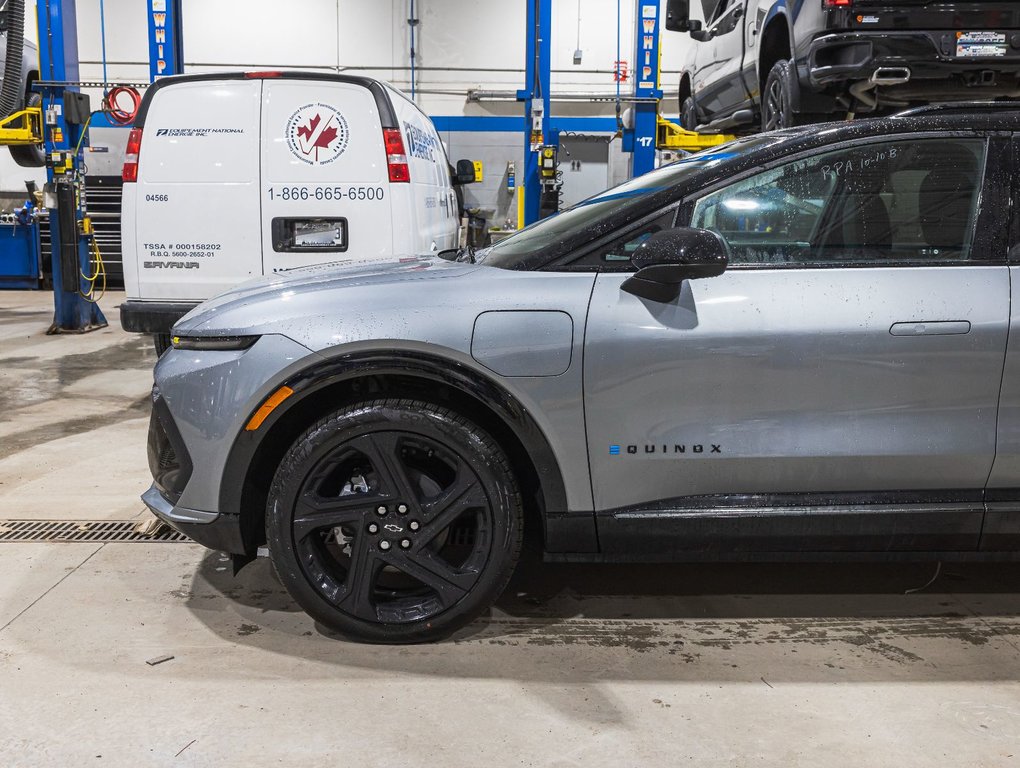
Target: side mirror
678	13
668	258
465	173
699	34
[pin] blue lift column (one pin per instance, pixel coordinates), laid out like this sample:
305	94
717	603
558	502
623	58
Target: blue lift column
166	45
640	140
535	95
74	312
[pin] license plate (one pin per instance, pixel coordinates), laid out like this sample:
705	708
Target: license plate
972	45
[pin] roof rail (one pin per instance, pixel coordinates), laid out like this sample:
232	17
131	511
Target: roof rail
960	106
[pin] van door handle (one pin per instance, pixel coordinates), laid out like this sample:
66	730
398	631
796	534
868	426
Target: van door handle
925	328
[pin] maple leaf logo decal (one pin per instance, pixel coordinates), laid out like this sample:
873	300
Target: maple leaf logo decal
317	134
305	132
326	137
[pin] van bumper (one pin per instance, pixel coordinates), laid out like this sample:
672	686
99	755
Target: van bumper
153	316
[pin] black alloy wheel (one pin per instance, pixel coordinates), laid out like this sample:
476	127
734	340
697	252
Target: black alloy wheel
394	521
777	98
689	114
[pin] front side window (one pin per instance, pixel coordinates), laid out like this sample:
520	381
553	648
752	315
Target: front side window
891	202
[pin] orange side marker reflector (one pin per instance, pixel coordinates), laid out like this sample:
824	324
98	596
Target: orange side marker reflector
268	407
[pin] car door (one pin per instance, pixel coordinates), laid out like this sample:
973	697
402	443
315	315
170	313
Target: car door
1001	530
836	388
717	85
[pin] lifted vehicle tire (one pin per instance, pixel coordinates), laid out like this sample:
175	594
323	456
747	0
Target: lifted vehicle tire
777	107
394	521
689	114
32	155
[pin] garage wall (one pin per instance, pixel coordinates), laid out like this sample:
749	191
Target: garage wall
460	46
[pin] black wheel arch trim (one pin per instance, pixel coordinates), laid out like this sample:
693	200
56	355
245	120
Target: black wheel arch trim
351	366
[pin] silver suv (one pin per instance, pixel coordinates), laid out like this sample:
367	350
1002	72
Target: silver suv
797	345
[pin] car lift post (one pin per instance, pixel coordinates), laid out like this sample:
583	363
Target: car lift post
640	139
166	45
538	132
72	262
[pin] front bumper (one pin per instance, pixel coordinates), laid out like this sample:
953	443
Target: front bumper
153	316
200	403
210	529
930	55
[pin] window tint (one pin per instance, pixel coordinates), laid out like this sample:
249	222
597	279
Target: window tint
709	6
615	257
904	201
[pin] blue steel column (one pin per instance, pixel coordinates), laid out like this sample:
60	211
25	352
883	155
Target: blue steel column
537	64
646	85
166	45
58	62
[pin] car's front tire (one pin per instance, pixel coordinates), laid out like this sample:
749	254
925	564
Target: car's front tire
394	521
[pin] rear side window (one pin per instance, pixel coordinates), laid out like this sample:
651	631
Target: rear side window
889	202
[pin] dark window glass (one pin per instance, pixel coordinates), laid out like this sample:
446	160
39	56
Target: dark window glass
903	201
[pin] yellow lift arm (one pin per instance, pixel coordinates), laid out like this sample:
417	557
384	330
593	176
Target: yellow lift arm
669	135
22	128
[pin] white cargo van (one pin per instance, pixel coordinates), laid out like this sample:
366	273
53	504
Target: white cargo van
231	176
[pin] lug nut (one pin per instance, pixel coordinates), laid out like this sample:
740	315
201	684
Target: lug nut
380	510
405	543
402	509
373	528
384	545
414	525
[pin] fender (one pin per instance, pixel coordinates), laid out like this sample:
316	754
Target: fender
328	372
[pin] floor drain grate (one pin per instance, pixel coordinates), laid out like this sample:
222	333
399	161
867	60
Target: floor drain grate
83	531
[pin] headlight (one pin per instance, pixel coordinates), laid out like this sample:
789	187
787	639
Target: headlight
222	343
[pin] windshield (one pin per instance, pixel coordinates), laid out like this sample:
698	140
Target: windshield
581	222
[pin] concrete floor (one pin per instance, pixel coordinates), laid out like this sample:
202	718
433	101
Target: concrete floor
579	665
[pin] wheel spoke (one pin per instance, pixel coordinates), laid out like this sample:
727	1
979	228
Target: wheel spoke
383	450
465	493
314	513
449	584
360	580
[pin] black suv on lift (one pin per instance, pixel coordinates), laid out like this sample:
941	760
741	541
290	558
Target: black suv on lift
788	62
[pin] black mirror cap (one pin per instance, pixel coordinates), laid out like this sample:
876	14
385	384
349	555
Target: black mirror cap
668	258
465	173
678	15
694	249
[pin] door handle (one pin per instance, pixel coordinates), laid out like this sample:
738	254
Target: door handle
926	328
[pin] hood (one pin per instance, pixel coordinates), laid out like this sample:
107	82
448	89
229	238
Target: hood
255	306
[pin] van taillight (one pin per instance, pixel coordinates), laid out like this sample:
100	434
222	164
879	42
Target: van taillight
134	146
396	157
836	3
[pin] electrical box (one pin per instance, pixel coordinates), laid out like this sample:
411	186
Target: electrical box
478	170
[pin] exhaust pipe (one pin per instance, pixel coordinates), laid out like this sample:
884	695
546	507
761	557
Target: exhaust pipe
890	76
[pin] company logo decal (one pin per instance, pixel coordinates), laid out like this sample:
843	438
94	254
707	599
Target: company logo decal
674	449
317	134
420	143
196	132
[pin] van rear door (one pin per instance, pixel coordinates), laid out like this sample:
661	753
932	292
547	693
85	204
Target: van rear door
325	184
196	202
